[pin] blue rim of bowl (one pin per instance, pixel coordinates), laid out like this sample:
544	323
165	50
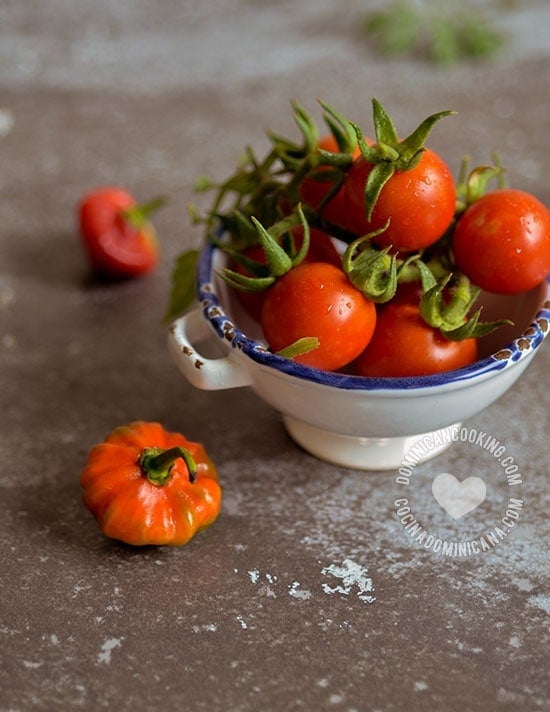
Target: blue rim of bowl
513	352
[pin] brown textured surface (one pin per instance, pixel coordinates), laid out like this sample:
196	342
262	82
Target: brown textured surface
306	594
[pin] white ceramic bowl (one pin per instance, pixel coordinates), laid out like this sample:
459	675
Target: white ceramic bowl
356	422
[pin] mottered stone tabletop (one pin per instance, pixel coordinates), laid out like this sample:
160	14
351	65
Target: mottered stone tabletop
308	593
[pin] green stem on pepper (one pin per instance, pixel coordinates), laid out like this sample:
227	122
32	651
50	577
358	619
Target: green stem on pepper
156	464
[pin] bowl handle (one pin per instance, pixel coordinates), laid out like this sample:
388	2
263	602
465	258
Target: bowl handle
209	374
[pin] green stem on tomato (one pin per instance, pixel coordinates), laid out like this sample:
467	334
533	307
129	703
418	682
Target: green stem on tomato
139	215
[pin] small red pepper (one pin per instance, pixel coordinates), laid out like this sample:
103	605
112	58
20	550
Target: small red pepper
117	234
145	485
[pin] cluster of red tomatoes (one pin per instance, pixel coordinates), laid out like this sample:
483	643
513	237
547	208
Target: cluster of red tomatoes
402	196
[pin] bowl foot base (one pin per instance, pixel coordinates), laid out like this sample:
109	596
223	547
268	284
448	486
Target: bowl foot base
360	453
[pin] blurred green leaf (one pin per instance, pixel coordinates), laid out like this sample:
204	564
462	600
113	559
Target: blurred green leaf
183	285
444	33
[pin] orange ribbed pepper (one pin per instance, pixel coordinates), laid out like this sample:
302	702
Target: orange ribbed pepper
145	485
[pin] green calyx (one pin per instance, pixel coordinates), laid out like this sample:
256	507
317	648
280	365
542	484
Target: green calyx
372	271
156	464
375	272
473	184
301	158
279	259
448	310
139	215
335	164
342	130
389	154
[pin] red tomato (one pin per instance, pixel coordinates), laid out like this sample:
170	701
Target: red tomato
316	299
115	247
502	242
420	203
321	249
410	292
312	191
404	345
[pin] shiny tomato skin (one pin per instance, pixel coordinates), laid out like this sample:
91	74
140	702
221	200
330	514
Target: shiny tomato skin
321	249
502	242
114	246
312	192
404	345
419	202
317	299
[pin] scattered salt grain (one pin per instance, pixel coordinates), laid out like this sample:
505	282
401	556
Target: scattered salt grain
295	591
106	649
352	575
542	602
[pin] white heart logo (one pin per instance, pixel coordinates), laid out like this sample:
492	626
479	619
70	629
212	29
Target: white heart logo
458	498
